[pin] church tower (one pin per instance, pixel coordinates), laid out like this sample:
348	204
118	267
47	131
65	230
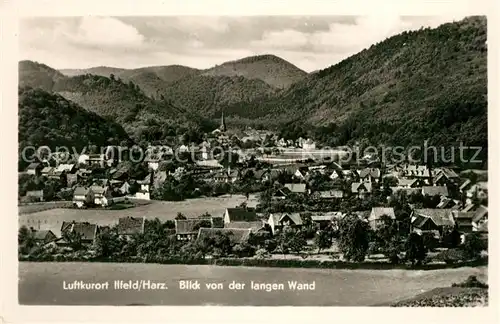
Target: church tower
222	123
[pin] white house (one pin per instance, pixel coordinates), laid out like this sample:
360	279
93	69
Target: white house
102	195
82	196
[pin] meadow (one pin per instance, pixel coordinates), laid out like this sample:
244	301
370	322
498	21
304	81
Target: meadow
51	219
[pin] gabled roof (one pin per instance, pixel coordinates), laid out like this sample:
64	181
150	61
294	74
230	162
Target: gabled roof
87	230
435	191
463	215
296	187
483	228
41	234
130	225
464	185
440	217
47	169
373	172
245	225
33	166
236	235
449	173
64	168
480	213
357	186
295	217
377	212
99	190
241	215
328	216
186	226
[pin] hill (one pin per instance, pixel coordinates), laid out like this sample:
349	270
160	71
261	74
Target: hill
152	80
271	69
37	75
51	120
207	94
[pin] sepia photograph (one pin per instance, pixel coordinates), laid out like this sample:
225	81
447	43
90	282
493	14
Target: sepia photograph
315	160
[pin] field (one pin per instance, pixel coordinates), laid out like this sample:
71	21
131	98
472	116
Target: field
42	284
164	210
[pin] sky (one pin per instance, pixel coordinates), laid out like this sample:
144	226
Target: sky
309	42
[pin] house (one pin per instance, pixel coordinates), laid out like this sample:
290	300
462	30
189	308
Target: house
236	235
87	231
375	218
442	180
34	169
125	188
239	214
409	191
330	194
96	159
432	221
301	172
278	220
361	189
226	176
43	236
466	185
323	220
35	195
63	169
82	197
435	191
369	175
309	145
299	188
187	229
410	183
449	203
280	194
209	164
71	179
128	226
47	171
463	220
102	195
480	218
416	171
448	173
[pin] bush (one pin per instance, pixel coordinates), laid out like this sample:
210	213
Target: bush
471	282
452	256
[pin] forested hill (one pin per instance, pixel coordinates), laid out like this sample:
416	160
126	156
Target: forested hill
51	120
271	69
425	84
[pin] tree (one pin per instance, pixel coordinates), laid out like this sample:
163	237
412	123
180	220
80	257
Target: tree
25	240
415	249
297	242
74	240
353	238
387	233
107	244
474	245
323	240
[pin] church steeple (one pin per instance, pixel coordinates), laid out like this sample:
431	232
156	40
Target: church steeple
222	123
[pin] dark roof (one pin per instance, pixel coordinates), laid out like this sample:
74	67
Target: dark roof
42	234
252	225
440	217
373	172
87	230
434	190
241	215
378	212
130	225
236	235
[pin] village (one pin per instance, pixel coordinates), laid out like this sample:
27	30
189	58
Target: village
310	198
